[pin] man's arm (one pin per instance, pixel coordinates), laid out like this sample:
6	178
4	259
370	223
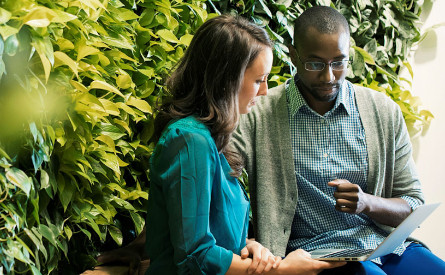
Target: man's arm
393	184
133	254
351	199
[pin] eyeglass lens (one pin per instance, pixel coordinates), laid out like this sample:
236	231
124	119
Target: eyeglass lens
319	66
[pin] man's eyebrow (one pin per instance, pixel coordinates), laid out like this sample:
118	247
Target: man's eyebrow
342	56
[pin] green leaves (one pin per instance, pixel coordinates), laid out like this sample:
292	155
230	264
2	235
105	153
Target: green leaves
78	163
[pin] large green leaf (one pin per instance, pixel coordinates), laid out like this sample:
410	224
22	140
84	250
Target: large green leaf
18	178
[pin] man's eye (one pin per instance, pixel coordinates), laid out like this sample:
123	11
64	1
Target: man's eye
315	65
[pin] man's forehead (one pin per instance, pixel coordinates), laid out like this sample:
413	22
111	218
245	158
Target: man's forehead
314	40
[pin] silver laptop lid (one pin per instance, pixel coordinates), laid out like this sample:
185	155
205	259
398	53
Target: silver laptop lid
402	232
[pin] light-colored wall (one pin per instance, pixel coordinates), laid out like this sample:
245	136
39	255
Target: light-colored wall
428	63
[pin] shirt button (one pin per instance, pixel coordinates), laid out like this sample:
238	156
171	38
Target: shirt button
325	155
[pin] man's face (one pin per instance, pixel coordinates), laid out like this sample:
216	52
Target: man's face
324	85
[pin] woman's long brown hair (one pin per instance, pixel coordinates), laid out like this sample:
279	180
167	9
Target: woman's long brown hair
207	80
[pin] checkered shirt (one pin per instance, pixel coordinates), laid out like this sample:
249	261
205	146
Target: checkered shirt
325	148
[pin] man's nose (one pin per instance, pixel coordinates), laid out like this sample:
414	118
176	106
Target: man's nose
327	74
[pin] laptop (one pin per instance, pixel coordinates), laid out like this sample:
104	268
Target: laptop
396	238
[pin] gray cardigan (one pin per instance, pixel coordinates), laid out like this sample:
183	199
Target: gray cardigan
263	138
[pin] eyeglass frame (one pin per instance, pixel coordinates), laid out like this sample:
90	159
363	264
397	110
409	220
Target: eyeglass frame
324	64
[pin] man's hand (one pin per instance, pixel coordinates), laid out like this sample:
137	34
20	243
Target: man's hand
349	197
132	255
127	255
262	259
300	262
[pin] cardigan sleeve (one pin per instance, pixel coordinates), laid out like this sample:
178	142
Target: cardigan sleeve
392	172
406	181
186	166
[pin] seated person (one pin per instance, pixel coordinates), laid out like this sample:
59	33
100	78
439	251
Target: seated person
329	162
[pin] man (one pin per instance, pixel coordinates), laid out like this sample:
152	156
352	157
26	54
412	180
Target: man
330	162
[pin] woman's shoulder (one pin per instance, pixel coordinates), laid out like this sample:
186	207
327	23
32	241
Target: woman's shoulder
187	129
190	123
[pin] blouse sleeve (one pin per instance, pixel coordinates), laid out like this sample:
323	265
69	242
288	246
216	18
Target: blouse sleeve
186	168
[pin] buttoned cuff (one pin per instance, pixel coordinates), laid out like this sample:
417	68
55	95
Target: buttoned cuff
215	260
190	266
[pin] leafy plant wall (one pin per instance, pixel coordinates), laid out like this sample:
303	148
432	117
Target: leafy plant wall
79	81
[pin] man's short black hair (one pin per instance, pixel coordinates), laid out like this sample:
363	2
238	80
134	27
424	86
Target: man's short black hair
324	19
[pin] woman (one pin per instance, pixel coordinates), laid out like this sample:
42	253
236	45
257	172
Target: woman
198	212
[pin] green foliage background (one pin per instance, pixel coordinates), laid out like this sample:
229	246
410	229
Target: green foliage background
79	81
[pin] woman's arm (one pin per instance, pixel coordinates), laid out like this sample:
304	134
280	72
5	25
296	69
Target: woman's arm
296	263
185	169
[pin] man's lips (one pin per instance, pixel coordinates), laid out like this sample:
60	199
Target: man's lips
326	88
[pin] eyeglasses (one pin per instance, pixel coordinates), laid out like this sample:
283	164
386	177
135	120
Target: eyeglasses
316	66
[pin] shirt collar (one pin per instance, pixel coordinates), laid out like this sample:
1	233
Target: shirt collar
296	101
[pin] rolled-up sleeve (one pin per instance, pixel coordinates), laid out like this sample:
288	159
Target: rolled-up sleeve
187	169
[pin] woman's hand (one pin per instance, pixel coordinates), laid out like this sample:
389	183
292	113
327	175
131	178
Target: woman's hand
300	262
262	259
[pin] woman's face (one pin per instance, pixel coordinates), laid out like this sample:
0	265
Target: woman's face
255	80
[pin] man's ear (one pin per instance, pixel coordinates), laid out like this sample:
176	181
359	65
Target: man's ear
293	54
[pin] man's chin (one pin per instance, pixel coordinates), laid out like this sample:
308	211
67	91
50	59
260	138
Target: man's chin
325	95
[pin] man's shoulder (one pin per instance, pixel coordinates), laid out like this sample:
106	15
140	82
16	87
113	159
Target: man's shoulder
275	96
277	90
368	96
268	108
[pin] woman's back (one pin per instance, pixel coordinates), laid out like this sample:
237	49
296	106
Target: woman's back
198	213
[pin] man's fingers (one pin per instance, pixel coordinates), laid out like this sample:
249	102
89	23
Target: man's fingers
143	266
345	209
107	258
346	203
346	206
337	182
134	268
347	196
348	187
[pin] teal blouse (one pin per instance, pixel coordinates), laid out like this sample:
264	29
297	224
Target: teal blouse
197	213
